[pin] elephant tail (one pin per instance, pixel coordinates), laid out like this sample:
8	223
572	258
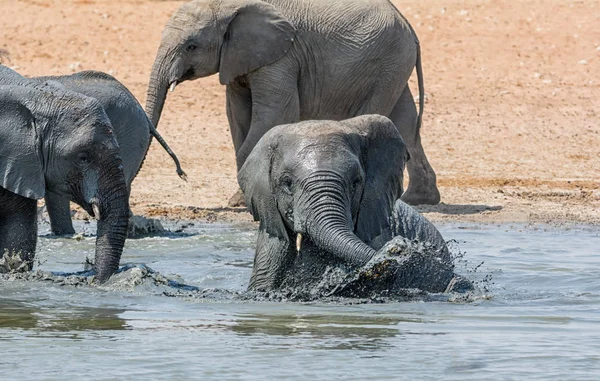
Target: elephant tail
421	88
180	172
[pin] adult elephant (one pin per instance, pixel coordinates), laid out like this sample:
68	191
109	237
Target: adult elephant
59	141
327	193
128	119
286	61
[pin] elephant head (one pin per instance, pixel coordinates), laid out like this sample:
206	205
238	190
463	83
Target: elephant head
60	141
331	184
203	37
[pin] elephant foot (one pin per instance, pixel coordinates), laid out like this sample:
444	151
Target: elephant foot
421	195
237	200
63	231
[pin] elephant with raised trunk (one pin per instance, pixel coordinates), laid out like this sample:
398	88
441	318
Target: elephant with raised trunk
327	193
287	61
132	128
59	141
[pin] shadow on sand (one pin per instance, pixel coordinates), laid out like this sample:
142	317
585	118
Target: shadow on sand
457	209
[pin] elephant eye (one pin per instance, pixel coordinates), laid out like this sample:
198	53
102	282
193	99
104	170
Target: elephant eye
286	185
83	158
191	47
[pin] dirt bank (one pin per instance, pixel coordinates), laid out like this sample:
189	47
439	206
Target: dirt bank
511	124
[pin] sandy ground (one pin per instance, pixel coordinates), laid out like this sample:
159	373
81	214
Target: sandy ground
511	125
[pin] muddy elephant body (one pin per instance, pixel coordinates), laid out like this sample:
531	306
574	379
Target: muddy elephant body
327	194
411	254
57	141
284	62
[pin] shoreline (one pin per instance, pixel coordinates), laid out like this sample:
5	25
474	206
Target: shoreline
517	206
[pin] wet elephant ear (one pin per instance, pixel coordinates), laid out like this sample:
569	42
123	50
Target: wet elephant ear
384	157
274	251
21	169
254	179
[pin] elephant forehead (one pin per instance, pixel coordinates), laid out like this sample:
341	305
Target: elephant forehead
322	139
196	11
317	155
318	128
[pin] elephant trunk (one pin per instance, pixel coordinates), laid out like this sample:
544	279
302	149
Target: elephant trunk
329	223
158	86
155	101
112	206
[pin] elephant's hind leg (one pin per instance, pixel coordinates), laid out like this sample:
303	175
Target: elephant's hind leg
18	226
422	187
60	214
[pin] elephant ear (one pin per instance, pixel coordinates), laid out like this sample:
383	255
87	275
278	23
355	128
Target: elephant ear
255	181
257	35
384	157
21	169
274	252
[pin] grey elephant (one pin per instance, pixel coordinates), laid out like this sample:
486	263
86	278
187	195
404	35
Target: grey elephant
287	61
129	122
326	194
59	141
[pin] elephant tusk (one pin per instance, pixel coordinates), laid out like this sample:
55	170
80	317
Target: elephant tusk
299	242
173	85
96	209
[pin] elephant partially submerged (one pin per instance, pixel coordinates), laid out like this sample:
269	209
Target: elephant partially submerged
132	127
326	194
287	61
59	141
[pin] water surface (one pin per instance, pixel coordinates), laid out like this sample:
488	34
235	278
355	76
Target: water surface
538	317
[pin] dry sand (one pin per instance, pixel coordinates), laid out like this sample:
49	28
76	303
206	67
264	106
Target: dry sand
511	124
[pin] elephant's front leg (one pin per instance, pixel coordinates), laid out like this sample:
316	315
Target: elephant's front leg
275	101
18	226
59	212
253	108
239	114
274	256
239	111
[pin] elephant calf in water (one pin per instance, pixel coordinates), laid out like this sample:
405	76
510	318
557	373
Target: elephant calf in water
59	141
129	122
327	194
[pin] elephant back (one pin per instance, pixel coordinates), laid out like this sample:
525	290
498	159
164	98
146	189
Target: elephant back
128	119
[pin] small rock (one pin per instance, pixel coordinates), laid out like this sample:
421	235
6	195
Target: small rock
140	226
75	66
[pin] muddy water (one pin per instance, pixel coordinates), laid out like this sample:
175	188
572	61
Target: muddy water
537	318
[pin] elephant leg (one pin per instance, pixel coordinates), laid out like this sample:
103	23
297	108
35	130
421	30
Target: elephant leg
275	101
422	187
274	256
59	211
18	226
239	114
